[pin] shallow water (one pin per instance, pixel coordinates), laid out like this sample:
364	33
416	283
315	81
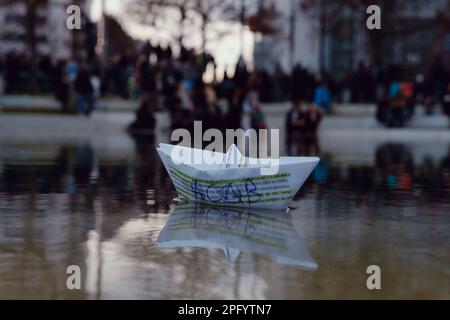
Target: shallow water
109	208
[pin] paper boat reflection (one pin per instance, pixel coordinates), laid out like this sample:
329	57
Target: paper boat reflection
236	230
238	182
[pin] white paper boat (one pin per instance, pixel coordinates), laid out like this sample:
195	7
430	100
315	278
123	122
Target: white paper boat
230	179
236	230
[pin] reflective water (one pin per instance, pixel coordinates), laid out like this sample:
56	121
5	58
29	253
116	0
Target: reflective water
108	206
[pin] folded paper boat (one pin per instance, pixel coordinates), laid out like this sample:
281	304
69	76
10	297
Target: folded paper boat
231	179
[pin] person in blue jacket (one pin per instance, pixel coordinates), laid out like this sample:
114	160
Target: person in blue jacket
322	97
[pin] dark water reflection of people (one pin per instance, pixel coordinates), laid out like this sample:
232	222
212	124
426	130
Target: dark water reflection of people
74	164
444	170
151	184
396	166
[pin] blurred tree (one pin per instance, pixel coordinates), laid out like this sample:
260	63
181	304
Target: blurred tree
182	15
263	20
119	41
213	11
162	14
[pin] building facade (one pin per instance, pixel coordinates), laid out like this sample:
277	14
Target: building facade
332	36
49	23
295	42
411	34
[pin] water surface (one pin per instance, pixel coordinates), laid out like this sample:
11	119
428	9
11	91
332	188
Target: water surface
111	209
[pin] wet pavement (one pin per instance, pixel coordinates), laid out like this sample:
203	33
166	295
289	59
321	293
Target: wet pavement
103	201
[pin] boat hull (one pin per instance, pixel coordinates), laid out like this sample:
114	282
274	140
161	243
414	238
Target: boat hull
240	187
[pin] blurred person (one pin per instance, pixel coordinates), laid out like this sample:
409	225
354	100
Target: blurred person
419	81
295	122
279	87
294	125
46	74
322	97
363	84
171	76
444	172
146	74
188	109
211	114
146	77
250	102
400	104
427	95
241	76
409	93
233	118
15	75
114	76
429	105
96	85
72	69
301	128
382	111
380	78
62	86
297	84
2	67
394	89
345	87
176	110
257	118
127	64
84	91
265	93
313	117
227	87
159	52
439	77
397	106
446	102
144	123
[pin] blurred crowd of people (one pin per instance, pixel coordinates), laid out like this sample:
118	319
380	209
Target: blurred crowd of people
162	80
70	81
402	91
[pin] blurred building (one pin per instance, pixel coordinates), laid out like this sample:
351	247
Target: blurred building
411	34
294	42
332	35
45	22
